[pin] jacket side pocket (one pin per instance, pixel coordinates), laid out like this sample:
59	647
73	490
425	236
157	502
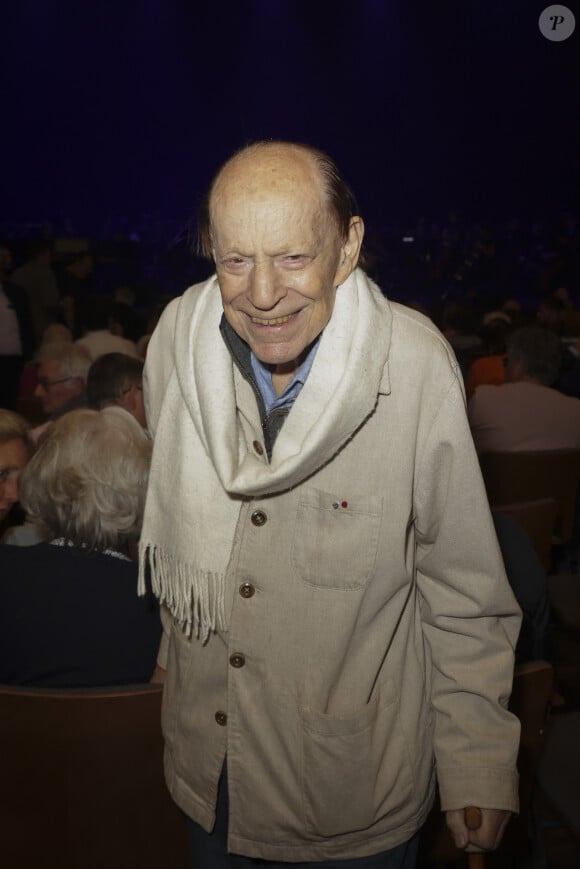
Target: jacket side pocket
355	771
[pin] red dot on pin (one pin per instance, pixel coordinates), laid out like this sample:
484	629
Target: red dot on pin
344	504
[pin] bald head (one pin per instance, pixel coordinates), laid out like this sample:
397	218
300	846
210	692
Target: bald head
261	164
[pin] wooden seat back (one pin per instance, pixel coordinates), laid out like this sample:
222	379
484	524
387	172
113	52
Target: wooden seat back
82	781
512	477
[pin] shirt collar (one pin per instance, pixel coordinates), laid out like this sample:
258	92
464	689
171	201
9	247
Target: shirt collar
244	358
263	376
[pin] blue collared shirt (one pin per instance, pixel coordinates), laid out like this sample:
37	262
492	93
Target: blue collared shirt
263	377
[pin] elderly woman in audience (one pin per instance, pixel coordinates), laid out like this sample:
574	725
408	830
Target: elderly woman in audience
71	616
16	447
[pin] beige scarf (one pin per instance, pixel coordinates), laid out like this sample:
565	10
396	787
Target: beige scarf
202	468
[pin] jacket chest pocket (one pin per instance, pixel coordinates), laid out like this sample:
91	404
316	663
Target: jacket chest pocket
336	538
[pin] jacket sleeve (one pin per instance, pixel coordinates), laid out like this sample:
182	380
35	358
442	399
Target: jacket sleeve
470	618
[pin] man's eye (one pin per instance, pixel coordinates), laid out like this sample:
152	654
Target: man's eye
234	263
295	260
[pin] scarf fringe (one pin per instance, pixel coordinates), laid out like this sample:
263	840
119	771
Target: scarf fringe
194	597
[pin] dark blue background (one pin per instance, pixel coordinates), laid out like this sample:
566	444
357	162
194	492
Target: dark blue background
127	107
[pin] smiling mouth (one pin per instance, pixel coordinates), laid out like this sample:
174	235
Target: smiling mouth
274	321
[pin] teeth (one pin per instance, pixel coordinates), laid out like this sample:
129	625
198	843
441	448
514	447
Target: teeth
276	321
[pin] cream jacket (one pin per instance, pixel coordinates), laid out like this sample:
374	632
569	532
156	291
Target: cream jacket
371	632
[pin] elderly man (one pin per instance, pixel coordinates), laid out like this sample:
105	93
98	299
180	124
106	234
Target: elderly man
526	412
62	375
338	622
61	381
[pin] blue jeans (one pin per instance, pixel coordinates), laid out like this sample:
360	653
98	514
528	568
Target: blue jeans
209	850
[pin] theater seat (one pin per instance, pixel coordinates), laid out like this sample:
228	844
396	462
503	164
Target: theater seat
82	781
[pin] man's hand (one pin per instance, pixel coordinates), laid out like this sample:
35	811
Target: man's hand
487	837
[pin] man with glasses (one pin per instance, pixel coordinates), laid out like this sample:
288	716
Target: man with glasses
62	376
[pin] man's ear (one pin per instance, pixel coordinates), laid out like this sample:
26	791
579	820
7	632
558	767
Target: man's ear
350	250
128	400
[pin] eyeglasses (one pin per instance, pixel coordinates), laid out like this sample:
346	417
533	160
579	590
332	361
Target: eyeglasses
129	388
45	382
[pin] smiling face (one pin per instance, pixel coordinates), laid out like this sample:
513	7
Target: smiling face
279	256
14	455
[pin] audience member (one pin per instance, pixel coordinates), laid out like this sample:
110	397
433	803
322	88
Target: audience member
526	413
62	375
459	325
125	296
571	318
71	616
490	367
117	379
512	307
74	281
98	338
569	380
56	333
127	322
38	280
17	339
16	447
529	583
557	312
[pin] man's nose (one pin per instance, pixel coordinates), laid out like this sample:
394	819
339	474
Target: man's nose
265	290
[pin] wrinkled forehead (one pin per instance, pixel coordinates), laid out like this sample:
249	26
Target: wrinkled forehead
269	183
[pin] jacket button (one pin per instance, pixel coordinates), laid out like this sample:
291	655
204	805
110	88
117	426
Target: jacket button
258	518
237	660
247	589
221	718
258	448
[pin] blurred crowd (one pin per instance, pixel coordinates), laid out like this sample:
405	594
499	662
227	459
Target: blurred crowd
74	448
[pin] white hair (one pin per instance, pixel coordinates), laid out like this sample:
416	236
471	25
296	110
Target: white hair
88	478
72	361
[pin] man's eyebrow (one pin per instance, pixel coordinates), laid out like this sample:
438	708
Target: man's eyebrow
233	251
